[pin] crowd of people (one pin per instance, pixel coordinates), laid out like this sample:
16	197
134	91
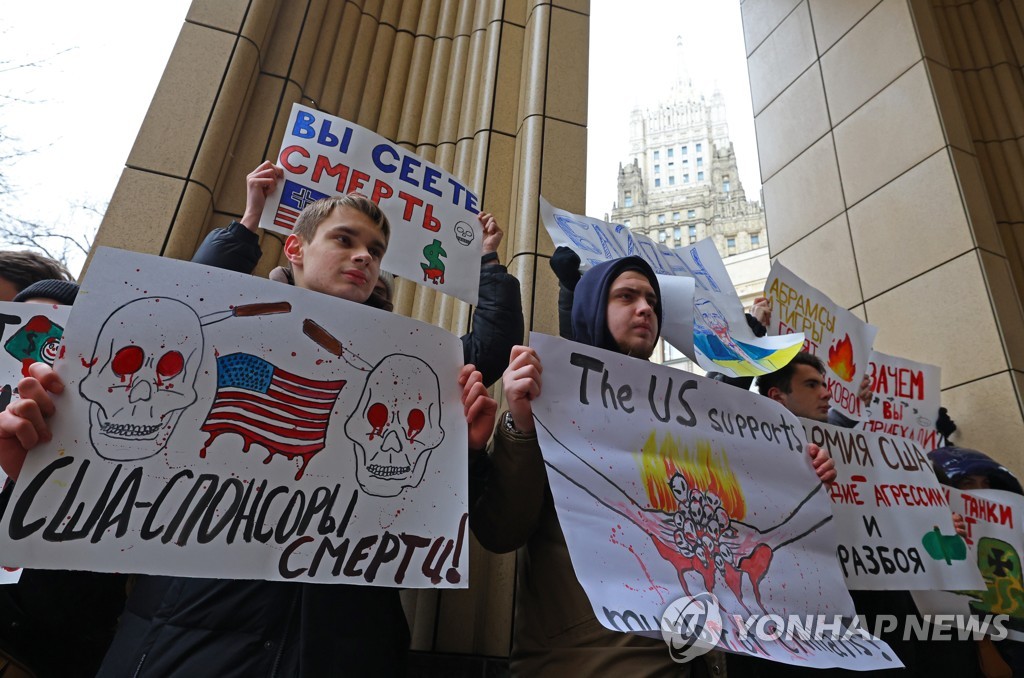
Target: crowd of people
143	625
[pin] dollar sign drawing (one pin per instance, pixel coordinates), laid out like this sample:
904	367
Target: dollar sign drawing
433	268
30	339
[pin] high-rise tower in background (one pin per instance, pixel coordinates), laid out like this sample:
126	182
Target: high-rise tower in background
681	185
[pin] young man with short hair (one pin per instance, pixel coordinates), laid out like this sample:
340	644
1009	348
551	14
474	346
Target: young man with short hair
497	323
800	387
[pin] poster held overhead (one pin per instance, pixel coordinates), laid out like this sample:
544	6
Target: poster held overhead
842	340
436	240
905	400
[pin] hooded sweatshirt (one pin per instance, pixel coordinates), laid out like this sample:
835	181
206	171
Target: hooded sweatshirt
590	304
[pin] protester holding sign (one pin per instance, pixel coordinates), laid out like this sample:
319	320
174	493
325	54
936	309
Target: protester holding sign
80	608
189	626
616	306
497	323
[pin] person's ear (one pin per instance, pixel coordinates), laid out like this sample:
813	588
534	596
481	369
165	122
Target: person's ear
776	394
293	249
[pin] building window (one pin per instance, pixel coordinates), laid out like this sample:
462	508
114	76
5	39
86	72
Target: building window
657	169
672	354
670	152
657	182
693	234
657	155
700	162
700	176
755	240
628	199
626	224
671	166
684	150
671	180
725	185
662	236
697	148
675	216
731	244
661	218
686	178
686	162
690	214
677	234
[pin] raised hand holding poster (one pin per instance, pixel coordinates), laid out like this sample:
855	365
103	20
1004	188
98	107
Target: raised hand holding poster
436	240
905	400
892	518
842	340
219	425
669	485
719	338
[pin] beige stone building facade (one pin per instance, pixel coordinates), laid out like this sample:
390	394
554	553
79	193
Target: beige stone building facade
889	134
890	141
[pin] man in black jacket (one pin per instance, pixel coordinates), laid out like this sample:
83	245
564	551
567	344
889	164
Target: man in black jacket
497	320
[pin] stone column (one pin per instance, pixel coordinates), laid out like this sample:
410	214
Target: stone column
494	91
889	136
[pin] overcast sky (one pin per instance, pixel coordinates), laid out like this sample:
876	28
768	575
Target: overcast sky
633	63
79	110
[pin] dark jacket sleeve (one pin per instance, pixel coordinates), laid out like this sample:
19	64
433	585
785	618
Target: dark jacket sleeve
565	296
837	418
739	382
507	490
497	323
235	248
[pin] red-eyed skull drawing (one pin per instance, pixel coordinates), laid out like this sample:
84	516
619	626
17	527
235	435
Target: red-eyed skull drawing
143	376
395	425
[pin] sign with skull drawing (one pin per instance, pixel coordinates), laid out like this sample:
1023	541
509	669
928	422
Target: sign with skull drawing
220	425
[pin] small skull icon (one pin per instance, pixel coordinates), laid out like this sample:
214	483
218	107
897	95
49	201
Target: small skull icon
464	233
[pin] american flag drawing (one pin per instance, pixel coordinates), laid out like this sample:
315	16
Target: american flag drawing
294	199
285	413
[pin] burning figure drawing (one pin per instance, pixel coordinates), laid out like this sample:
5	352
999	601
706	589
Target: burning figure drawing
694	516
